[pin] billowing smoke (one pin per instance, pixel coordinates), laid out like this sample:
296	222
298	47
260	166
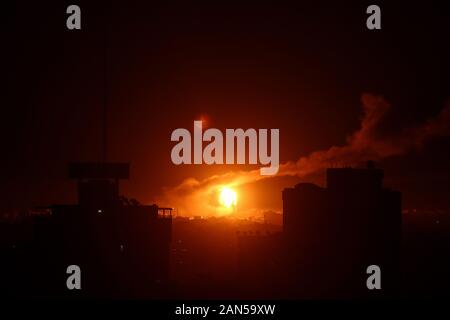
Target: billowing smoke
194	197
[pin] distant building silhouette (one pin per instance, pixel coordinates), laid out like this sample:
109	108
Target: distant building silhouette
330	236
121	247
273	218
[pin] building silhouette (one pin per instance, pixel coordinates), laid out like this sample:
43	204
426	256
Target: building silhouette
330	236
122	247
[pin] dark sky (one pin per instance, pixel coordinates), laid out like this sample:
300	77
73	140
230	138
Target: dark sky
300	68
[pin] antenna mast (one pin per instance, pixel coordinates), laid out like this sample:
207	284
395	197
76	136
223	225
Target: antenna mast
105	84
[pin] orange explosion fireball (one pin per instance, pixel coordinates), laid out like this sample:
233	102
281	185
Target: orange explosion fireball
228	197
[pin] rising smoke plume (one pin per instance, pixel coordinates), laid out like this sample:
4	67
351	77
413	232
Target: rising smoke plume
194	197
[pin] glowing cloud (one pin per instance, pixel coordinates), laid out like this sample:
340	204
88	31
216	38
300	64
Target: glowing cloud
194	197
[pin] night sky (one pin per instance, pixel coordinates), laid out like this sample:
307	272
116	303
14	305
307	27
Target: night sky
300	68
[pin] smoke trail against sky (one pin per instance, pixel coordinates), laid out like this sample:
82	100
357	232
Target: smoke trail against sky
199	197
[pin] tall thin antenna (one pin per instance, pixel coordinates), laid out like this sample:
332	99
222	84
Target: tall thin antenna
105	84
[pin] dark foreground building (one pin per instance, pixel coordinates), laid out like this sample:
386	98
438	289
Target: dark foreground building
330	236
121	247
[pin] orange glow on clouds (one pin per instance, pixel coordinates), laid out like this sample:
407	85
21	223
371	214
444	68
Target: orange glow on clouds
204	197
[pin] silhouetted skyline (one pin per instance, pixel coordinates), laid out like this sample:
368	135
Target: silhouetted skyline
360	121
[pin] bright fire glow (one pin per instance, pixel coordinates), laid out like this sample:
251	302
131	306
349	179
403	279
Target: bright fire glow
228	197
